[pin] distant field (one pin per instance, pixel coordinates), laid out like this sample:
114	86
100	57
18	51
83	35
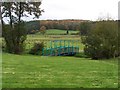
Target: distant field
28	71
59	32
53	37
54	34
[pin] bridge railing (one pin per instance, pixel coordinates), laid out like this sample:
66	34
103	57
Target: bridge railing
61	47
60	51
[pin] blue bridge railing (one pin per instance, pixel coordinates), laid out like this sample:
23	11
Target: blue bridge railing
61	48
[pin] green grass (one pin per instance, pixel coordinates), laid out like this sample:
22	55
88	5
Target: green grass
59	32
52	37
27	71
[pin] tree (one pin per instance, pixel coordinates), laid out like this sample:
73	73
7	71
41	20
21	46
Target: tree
119	37
32	25
15	32
102	40
85	27
43	30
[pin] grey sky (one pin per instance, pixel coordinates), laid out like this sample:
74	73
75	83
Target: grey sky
79	9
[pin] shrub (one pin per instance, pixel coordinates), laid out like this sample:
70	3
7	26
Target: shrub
37	49
102	40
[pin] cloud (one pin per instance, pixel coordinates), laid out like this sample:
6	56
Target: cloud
79	9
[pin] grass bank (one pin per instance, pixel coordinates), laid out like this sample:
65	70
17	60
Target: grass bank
28	71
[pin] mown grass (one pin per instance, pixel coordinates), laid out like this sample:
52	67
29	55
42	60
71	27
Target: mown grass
52	37
59	32
53	34
28	71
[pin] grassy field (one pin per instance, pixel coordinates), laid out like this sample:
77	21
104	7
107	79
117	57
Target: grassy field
27	71
58	32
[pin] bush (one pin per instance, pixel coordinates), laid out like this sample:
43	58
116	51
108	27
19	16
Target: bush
37	49
102	40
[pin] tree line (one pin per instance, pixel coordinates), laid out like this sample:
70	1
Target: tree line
69	24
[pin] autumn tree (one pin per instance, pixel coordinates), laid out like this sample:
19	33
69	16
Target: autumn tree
43	30
15	32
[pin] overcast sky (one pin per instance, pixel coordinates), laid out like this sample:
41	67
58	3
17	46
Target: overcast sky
79	9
